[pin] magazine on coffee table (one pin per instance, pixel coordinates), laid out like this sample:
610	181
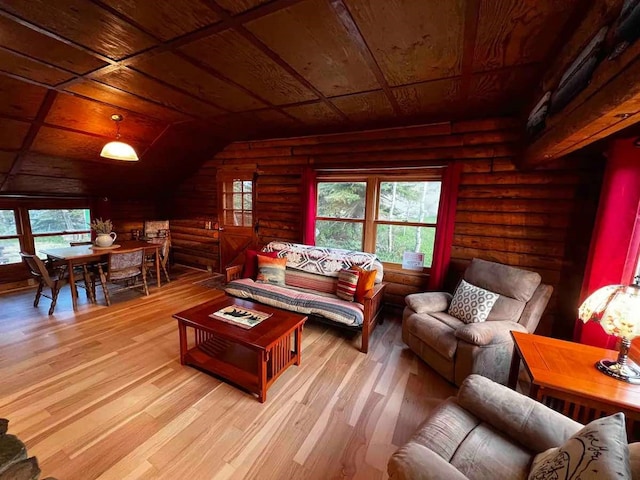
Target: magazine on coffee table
240	316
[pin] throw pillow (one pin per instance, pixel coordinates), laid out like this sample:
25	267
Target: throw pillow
471	304
250	268
597	451
347	284
271	270
366	281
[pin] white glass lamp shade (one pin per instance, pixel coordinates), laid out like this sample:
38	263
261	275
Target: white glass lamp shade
616	308
119	151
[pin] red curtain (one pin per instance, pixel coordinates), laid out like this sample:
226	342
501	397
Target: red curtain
309	200
616	234
446	224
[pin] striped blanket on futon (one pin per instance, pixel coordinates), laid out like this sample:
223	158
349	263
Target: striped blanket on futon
307	303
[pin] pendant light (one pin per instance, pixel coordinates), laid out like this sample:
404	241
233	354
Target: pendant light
119	150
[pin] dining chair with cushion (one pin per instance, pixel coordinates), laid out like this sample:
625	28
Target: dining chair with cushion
50	274
123	268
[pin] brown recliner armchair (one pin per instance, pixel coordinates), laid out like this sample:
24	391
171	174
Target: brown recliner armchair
456	349
491	432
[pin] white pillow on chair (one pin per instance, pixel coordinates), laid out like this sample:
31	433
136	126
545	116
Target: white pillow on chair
472	304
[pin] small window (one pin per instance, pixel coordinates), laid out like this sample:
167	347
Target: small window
9	238
238	203
57	228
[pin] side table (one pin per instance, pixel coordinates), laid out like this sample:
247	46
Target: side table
563	376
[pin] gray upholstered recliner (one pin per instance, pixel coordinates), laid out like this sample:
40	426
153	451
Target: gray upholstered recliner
455	349
489	432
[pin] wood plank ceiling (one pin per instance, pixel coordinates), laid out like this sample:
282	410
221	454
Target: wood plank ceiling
190	76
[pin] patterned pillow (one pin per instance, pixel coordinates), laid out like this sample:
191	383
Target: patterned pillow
598	451
271	270
472	304
347	284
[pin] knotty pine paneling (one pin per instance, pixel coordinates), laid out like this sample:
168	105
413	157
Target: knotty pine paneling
539	220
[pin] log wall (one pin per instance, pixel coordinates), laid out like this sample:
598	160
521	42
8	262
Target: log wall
540	220
193	213
128	215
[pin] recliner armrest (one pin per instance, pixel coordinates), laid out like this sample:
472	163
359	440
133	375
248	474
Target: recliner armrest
416	462
488	333
428	302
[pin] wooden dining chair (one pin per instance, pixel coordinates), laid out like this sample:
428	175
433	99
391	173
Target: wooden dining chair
49	274
86	271
123	268
164	257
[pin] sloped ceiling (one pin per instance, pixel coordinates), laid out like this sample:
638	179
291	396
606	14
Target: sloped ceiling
190	76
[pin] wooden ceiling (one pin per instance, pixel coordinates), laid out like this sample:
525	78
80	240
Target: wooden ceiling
190	76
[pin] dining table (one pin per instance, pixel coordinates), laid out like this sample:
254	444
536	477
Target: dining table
80	254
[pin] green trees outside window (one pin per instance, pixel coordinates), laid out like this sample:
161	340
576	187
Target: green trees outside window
381	214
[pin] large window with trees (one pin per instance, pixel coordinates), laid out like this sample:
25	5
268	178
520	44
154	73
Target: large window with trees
386	214
54	228
32	226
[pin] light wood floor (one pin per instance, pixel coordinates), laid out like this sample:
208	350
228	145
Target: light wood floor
101	394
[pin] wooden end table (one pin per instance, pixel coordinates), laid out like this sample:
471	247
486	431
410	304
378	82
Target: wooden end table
251	358
565	371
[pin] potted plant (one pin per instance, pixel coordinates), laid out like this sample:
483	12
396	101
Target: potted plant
105	236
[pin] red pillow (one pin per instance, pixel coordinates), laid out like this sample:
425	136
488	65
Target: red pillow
250	269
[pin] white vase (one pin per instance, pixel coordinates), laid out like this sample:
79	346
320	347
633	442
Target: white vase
105	239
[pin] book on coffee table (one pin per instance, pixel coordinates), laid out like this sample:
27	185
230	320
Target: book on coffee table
240	316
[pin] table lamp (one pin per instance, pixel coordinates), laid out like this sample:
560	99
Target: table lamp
617	309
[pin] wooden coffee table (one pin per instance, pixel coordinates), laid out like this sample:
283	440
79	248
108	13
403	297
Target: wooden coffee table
251	358
565	371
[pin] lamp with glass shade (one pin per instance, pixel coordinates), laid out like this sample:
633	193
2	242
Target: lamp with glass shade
118	150
617	309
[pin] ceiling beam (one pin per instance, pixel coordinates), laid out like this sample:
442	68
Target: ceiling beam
55	36
29	138
175	43
213	72
237	23
289	69
471	18
345	17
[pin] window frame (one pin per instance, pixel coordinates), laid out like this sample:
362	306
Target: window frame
34	236
21	207
228	181
373	181
18	235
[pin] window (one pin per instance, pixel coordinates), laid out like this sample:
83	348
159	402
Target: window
237	201
340	214
385	214
56	228
9	238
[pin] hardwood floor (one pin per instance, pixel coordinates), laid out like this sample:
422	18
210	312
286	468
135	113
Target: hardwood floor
101	394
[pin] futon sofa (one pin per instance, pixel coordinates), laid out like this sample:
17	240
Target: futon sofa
492	432
311	278
456	349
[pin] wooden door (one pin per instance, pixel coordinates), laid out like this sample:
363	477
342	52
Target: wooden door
236	215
